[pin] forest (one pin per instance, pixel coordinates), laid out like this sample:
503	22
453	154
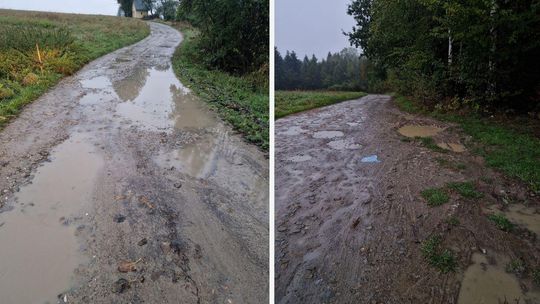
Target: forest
343	71
456	53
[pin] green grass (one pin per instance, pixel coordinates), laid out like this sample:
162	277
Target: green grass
536	276
289	102
243	101
442	259
66	43
435	196
512	149
465	189
517	267
501	222
453	221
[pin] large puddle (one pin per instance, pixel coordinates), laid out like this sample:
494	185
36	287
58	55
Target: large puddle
39	249
150	100
486	283
419	131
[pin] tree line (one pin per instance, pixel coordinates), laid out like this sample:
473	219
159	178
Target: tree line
344	71
473	52
234	34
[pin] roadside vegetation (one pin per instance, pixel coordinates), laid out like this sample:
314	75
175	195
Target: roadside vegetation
37	49
224	60
442	259
289	102
510	147
474	63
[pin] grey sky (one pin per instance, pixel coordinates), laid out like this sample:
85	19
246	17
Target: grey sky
101	7
312	26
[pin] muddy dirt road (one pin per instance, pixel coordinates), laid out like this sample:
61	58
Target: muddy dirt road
351	221
118	186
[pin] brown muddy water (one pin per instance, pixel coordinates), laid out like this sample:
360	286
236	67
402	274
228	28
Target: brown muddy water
39	251
488	283
459	148
419	131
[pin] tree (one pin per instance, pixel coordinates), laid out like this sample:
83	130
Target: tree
480	51
126	6
234	33
167	9
340	71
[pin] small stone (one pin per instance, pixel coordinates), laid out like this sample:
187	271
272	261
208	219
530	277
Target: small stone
120	286
142	242
119	218
178	185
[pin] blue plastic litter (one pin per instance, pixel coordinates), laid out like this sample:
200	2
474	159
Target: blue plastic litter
370	159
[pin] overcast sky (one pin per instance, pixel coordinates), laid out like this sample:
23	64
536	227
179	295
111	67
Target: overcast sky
101	7
312	26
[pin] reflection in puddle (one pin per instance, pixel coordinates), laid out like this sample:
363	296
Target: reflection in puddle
100	82
419	131
327	134
370	159
486	284
39	253
343	144
129	88
521	215
163	102
299	158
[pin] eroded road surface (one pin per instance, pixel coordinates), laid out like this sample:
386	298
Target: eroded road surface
351	221
119	186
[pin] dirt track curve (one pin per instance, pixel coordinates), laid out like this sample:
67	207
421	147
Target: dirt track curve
119	168
350	220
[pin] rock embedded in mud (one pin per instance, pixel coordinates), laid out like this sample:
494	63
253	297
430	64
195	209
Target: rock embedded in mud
119	218
121	285
142	242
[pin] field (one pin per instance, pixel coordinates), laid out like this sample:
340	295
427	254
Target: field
289	102
37	49
243	101
510	146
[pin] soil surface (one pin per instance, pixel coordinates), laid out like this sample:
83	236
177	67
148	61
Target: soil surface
119	186
351	220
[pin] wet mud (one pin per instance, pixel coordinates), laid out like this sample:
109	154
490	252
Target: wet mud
120	186
350	223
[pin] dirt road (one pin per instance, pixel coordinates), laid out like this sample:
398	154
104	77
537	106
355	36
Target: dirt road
351	221
120	168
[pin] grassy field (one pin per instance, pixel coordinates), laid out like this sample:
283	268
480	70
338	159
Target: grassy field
243	101
511	148
289	102
37	49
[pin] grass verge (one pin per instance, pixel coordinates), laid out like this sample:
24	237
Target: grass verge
243	101
37	49
514	151
289	102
